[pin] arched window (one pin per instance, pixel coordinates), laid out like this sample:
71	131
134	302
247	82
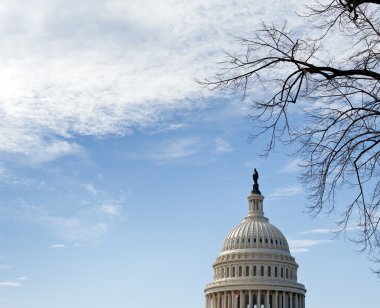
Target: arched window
247	271
240	271
275	271
233	271
228	272
249	240
266	240
287	274
271	241
254	271
262	271
269	271
282	272
261	240
223	272
254	240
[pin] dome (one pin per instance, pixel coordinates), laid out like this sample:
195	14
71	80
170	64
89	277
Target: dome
255	266
255	233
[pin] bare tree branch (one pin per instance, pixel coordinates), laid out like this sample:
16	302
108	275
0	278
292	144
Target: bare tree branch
339	141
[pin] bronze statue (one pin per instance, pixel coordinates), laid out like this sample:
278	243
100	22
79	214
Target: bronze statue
255	176
255	188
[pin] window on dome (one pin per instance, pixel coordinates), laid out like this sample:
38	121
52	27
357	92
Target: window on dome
262	271
282	272
237	241
275	271
223	272
228	272
276	242
247	271
233	271
271	241
240	271
254	240
249	240
269	271
287	274
266	240
254	271
261	240
242	241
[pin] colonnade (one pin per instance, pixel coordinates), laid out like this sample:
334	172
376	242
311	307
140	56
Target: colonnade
255	299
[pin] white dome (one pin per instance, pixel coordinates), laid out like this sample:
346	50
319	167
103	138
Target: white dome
255	265
255	233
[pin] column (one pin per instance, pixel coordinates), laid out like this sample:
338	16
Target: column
267	299
225	300
258	299
303	301
250	300
275	300
242	299
230	300
296	298
291	300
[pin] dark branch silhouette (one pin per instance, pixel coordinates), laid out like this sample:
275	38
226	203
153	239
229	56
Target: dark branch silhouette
337	100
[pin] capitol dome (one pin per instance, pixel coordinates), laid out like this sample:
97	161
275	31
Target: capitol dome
255	268
253	234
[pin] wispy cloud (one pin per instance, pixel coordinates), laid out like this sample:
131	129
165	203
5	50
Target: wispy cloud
4	267
284	192
57	246
125	64
222	146
23	278
330	230
10	284
76	228
90	189
299	246
174	150
292	166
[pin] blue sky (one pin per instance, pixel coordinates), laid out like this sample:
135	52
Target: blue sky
120	176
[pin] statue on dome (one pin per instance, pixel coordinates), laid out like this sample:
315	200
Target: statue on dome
255	189
255	176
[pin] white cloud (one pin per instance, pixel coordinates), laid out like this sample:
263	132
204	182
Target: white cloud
57	246
284	192
4	267
110	209
292	166
10	284
75	228
169	151
330	230
105	67
90	189
23	278
221	146
299	246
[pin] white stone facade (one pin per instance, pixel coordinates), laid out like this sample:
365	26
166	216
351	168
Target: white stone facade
255	268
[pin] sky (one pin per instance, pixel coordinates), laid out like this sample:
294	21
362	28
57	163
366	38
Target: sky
120	176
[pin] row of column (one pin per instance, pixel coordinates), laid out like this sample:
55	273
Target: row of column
255	299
